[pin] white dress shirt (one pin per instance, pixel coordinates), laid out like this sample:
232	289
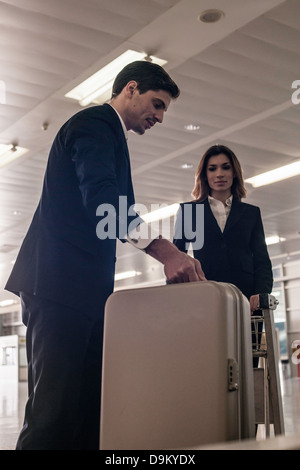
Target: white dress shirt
220	210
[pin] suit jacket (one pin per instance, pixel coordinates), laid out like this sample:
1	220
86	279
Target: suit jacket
61	257
238	255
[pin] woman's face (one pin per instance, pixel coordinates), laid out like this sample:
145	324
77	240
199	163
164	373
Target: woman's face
219	173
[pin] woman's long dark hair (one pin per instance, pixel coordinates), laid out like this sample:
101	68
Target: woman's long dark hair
202	190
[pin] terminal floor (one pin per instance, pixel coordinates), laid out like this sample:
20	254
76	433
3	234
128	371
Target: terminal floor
13	399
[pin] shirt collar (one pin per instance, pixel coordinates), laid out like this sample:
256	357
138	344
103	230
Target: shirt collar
122	122
228	201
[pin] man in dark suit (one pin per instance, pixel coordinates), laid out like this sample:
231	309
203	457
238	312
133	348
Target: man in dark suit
64	272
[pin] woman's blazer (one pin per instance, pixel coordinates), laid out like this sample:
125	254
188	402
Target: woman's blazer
239	255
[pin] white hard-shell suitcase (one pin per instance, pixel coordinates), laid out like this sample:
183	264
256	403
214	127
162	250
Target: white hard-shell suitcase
177	367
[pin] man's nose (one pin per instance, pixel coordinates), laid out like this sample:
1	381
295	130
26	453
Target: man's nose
159	115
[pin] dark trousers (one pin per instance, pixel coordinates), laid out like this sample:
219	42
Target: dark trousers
64	353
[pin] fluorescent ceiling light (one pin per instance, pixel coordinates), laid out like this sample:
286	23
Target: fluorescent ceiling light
97	88
161	213
8	153
6	303
274	239
287	171
126	275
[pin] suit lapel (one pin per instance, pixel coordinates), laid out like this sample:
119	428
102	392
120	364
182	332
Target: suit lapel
235	214
210	219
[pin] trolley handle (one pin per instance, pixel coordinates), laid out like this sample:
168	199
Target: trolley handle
267	302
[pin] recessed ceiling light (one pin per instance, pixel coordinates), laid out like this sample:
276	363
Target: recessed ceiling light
185	166
192	127
211	16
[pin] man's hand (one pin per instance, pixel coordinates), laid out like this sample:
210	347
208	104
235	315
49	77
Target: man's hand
183	268
178	266
254	303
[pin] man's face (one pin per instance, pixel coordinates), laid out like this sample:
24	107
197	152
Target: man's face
145	110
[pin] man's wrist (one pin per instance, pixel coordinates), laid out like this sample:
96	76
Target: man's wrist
142	237
161	249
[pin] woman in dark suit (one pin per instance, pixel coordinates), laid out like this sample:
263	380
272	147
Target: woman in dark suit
234	248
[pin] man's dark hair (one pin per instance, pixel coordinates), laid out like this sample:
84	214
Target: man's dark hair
149	76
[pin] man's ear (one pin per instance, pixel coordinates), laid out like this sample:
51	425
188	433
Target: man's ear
130	88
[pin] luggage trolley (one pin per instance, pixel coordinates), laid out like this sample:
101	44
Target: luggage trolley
268	403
